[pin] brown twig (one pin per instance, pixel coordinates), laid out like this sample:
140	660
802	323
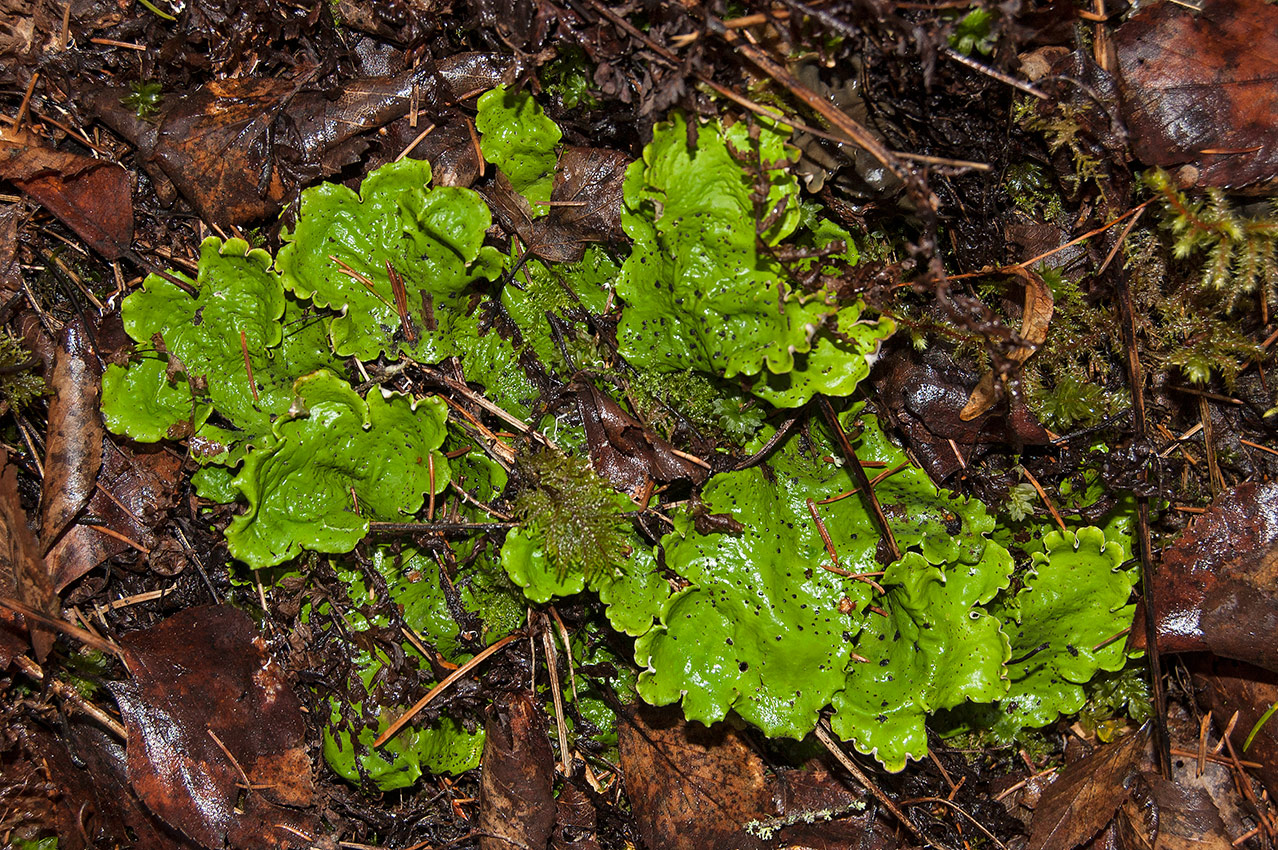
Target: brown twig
394	728
863	481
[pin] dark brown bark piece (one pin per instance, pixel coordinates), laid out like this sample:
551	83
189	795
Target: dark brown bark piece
73	445
516	802
1218	582
692	787
1200	86
204	687
92	197
1086	796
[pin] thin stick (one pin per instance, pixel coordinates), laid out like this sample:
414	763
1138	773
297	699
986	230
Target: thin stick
1136	376
956	807
85	637
993	73
1042	494
557	697
248	366
862	480
827	740
394	728
71	695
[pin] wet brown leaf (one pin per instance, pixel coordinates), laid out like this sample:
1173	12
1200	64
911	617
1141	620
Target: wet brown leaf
1081	802
1223	687
1218	583
450	148
133	496
575	821
1200	86
92	197
238	149
924	395
73	445
692	787
516	802
204	687
94	806
22	570
1035	318
625	452
815	790
586	205
1161	815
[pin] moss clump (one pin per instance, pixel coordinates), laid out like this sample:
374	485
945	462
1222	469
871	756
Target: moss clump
19	385
573	511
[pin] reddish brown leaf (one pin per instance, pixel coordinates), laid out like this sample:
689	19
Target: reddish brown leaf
1081	802
94	806
924	394
73	446
516	803
692	787
625	452
204	687
21	567
1161	814
133	496
450	149
238	149
1224	687
1218	584
1200	85
575	821
587	206
815	790
92	197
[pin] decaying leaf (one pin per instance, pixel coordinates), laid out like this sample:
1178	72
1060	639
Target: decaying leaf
90	196
1035	318
517	804
1198	87
692	787
73	452
1164	815
625	452
23	571
206	710
1217	583
133	495
1081	802
238	149
1225	687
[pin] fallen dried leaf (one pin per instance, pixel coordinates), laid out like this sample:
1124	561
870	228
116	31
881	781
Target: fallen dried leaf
1085	797
625	452
1035	318
575	821
1198	86
22	570
92	197
1218	583
1223	687
516	802
73	445
238	149
1161	814
692	787
206	709
133	495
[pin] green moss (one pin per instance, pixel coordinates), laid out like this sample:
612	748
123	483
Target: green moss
19	386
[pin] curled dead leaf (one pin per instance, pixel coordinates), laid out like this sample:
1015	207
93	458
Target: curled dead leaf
1035	318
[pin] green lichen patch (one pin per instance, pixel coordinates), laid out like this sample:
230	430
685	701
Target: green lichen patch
192	353
335	463
398	261
701	293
